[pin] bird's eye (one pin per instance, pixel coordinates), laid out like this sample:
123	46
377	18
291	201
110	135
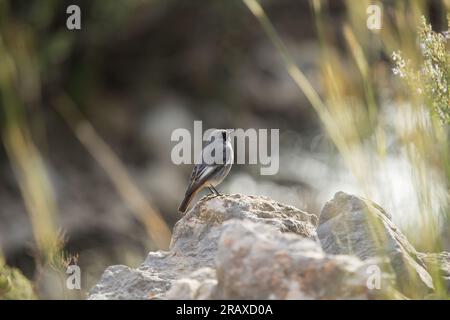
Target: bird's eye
224	135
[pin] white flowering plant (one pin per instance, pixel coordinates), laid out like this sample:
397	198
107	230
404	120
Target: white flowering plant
431	79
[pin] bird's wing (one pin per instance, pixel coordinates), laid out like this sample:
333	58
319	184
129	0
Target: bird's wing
202	171
200	174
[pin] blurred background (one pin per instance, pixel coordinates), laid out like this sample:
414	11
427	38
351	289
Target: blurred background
86	118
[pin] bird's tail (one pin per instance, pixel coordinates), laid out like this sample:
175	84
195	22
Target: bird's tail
185	203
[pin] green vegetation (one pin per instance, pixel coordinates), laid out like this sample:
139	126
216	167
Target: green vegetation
355	112
431	79
13	284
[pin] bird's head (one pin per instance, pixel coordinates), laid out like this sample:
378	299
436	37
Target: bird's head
221	134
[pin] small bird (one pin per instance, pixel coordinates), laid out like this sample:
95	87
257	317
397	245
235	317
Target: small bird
210	175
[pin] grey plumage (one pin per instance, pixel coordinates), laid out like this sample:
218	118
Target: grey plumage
210	175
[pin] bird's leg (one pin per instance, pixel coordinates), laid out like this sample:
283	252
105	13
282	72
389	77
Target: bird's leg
211	190
216	192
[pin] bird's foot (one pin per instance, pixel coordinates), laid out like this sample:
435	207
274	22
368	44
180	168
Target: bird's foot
214	193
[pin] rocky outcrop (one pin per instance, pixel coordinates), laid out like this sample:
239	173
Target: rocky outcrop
254	261
195	243
356	226
247	247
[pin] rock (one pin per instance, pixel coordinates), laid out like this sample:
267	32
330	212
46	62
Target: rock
298	267
194	245
355	226
121	282
199	285
248	247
